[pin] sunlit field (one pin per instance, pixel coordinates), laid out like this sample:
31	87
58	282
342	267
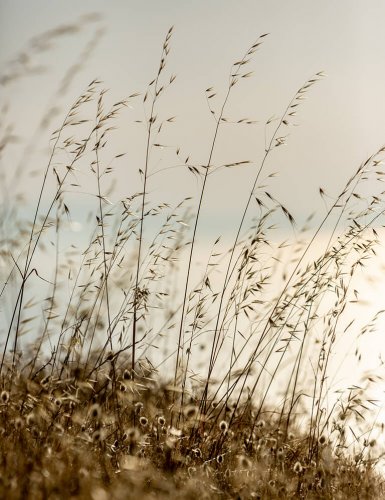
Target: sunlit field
150	351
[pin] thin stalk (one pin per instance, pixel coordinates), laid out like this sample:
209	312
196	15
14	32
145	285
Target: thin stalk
150	124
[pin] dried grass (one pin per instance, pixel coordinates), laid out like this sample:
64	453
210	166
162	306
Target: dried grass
87	410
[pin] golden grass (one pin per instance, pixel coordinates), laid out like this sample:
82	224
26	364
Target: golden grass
80	438
87	410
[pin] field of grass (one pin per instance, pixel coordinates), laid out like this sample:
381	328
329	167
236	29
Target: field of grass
126	372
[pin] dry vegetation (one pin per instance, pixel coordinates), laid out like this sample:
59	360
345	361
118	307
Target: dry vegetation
88	410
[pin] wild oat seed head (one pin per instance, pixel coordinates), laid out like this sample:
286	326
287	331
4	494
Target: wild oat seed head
4	397
223	426
220	459
322	440
97	436
143	421
95	412
297	468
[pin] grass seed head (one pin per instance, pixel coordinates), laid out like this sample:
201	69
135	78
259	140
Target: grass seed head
4	397
143	421
191	411
223	426
220	459
95	412
322	440
297	468
98	436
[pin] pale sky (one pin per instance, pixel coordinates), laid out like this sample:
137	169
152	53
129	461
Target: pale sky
341	122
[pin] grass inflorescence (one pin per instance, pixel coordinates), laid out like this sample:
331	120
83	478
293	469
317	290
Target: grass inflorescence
126	373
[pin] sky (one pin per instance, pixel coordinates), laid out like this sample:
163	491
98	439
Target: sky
339	125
